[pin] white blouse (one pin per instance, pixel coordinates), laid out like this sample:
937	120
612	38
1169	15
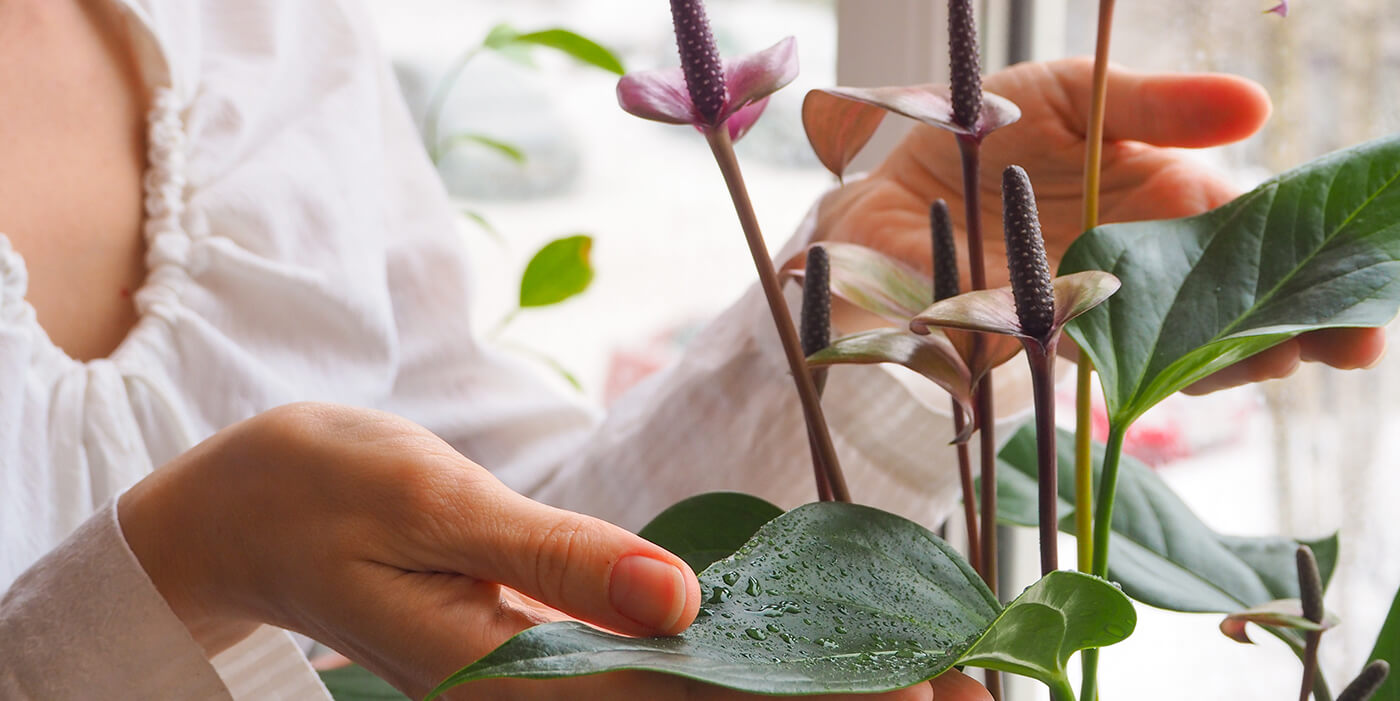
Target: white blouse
301	247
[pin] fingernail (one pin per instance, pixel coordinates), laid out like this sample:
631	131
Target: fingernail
647	591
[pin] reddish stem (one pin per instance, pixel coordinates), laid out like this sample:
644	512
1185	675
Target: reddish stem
1042	361
824	453
969	496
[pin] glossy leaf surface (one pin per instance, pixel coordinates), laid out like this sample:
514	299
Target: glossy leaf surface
829	597
560	270
1317	247
1161	552
709	527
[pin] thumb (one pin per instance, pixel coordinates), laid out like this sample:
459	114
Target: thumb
585	567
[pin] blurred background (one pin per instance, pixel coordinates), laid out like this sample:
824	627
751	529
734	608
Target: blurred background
539	150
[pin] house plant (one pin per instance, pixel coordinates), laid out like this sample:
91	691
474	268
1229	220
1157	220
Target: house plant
837	597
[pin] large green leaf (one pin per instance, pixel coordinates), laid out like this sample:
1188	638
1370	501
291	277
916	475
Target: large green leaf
1388	649
1161	553
829	597
355	683
1316	247
709	527
560	270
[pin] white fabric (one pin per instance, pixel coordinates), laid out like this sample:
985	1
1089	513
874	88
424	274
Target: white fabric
302	248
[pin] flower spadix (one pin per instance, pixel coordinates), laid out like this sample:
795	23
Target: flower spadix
705	91
840	121
894	291
1035	307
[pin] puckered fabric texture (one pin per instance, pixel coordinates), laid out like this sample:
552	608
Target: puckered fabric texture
301	247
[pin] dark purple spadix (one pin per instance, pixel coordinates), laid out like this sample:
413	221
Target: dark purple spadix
704	74
1309	584
1025	255
965	64
1367	683
816	301
945	253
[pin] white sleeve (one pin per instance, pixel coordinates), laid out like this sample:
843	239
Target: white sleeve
725	417
85	622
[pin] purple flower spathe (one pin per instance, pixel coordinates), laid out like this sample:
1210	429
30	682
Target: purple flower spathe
662	96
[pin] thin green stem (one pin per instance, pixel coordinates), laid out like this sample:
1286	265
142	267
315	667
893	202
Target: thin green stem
1093	169
824	453
1103	527
433	118
1060	690
1042	362
505	321
1083	465
1103	512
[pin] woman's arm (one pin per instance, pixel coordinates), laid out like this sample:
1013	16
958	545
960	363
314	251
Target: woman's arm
357	528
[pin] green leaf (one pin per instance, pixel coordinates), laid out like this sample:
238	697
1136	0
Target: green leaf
829	597
506	40
1077	610
1388	649
557	272
510	151
1317	247
709	527
355	683
1161	553
576	46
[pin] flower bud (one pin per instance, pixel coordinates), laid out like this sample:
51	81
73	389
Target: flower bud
965	64
704	74
1367	683
1309	584
945	253
816	302
1025	255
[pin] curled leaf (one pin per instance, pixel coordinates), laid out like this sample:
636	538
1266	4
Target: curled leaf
872	281
932	356
839	121
1283	613
994	311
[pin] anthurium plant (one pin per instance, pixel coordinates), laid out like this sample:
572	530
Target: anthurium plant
838	597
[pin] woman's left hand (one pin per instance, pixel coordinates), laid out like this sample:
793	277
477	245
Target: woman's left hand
1149	117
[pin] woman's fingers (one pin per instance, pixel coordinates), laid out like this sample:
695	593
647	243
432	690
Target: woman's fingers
1347	349
585	567
953	685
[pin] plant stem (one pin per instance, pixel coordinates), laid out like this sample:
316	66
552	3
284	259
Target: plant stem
823	452
1083	464
1042	361
1103	527
1314	638
1089	548
1093	168
1060	690
974	552
433	117
969	147
819	469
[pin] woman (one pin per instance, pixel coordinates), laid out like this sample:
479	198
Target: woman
223	209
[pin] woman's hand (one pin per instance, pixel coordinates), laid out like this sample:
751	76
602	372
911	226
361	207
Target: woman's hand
1143	178
370	534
